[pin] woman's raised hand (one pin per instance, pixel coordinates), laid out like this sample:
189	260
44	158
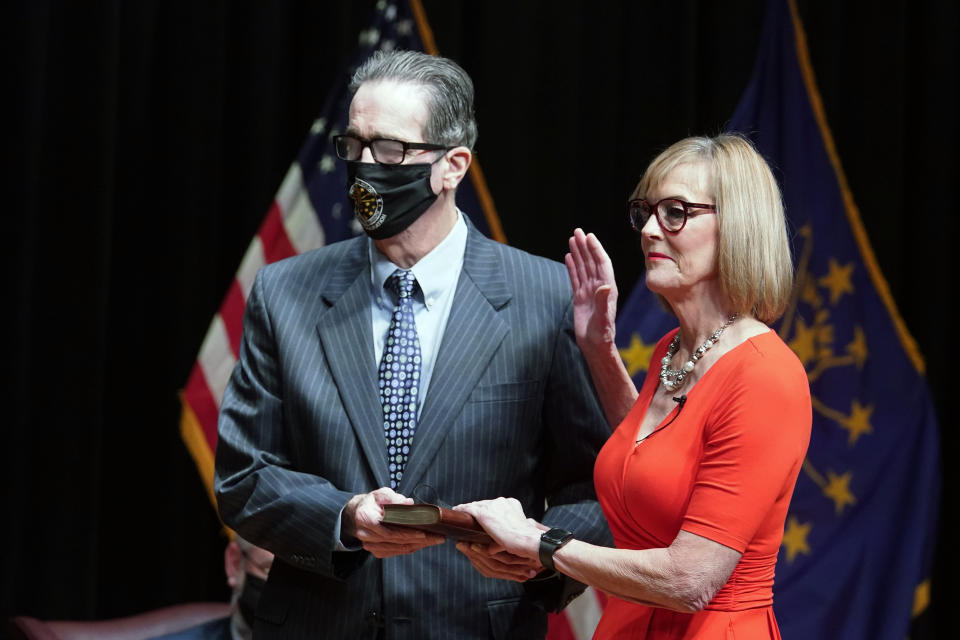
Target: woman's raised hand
594	292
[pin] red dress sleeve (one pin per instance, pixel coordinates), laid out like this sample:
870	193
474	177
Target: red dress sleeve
755	440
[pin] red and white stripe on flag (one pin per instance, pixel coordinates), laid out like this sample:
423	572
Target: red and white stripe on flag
290	227
579	620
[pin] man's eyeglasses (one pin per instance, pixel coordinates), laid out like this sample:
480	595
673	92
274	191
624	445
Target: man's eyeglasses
384	150
671	213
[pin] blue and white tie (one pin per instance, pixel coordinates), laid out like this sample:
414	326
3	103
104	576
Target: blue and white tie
399	376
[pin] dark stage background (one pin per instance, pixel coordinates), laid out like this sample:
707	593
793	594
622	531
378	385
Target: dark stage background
146	140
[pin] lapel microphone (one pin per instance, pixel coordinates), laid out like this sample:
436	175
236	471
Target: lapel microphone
682	400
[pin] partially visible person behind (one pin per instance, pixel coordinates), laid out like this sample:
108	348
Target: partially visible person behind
247	567
697	479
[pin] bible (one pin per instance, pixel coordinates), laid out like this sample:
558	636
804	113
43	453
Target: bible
436	519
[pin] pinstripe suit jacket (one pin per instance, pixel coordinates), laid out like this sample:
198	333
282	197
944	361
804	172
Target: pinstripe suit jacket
510	411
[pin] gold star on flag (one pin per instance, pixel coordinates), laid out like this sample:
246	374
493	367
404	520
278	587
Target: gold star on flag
637	355
838	280
858	422
838	490
804	342
795	538
824	334
858	348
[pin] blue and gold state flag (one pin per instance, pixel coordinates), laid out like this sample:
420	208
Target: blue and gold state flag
859	537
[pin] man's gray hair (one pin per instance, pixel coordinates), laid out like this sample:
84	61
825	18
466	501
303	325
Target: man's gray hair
448	88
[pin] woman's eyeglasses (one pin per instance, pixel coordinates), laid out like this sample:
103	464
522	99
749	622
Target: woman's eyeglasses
672	213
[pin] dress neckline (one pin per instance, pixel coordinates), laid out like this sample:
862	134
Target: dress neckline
676	412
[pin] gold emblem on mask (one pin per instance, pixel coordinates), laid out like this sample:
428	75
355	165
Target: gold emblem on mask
367	204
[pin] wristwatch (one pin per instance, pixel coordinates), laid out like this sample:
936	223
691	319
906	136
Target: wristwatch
550	541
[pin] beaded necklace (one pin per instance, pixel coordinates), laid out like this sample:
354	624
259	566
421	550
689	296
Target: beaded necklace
673	379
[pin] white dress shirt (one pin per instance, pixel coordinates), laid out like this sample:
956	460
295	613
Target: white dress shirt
437	274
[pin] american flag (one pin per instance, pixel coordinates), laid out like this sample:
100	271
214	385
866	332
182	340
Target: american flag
310	210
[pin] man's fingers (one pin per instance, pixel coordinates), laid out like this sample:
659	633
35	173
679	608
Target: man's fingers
396	535
388	542
499	555
365	510
386	495
501	565
491	569
388	550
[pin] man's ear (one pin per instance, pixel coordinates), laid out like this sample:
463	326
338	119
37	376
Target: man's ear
458	161
233	564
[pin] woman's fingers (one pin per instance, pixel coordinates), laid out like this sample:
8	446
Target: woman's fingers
576	252
568	260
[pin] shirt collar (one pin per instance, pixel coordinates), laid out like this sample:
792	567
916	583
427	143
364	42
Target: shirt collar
434	271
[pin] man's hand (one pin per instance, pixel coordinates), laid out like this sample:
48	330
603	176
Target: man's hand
493	561
361	522
514	555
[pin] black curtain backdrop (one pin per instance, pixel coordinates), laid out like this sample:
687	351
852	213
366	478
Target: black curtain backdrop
145	141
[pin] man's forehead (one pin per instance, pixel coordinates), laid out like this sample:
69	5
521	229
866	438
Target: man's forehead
388	109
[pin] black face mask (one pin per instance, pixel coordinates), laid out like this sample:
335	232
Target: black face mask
252	588
389	198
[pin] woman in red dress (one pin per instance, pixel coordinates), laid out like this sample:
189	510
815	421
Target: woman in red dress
696	480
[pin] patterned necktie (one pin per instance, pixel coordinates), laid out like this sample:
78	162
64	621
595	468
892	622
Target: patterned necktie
399	377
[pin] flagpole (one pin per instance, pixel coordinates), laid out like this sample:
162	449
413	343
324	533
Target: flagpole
426	33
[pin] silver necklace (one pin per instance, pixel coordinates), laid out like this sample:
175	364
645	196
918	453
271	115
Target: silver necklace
673	379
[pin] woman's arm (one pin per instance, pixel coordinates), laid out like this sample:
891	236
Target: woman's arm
684	576
594	316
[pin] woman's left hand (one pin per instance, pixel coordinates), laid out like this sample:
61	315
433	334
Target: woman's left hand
515	554
594	293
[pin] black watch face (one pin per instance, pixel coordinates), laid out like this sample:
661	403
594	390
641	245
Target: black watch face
556	536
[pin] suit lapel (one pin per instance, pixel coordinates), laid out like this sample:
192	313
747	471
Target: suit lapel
473	333
346	336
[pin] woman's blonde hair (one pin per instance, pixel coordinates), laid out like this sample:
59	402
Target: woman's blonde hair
753	257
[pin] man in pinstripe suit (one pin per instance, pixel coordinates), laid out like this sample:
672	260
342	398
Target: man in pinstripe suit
501	403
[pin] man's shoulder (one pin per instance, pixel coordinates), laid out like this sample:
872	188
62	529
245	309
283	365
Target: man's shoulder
309	261
332	266
519	264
